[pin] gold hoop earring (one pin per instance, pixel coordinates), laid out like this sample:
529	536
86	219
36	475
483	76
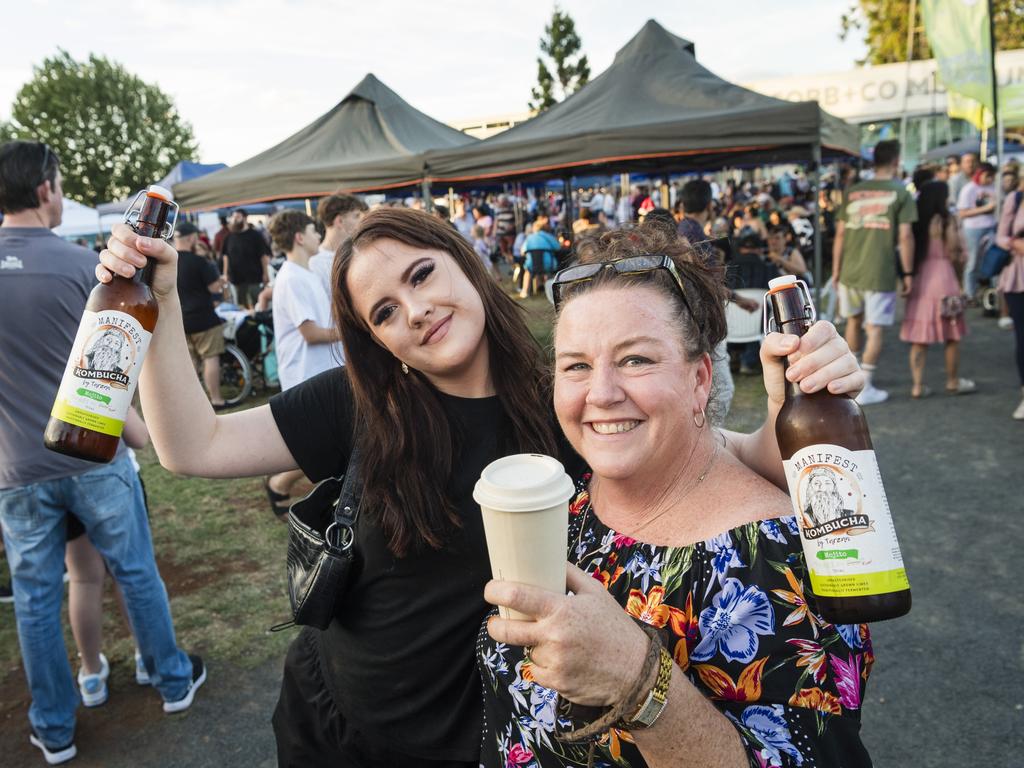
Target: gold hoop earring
703	419
405	369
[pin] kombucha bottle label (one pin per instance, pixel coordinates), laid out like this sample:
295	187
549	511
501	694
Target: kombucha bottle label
848	536
102	372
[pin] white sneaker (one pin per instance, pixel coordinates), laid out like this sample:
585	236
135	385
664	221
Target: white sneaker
1019	413
94	687
53	755
141	675
1006	323
198	678
872	396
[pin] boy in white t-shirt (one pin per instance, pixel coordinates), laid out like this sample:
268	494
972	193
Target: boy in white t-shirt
339	216
305	340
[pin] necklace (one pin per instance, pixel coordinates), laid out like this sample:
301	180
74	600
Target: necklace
684	494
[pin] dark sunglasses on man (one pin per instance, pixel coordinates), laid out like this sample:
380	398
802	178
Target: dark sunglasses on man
46	161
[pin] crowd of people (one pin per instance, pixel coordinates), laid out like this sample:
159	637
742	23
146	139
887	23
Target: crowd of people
934	237
397	331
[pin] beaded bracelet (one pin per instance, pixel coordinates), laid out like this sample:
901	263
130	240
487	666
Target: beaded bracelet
604	718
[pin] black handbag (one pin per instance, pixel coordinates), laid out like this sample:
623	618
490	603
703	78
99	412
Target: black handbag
323	560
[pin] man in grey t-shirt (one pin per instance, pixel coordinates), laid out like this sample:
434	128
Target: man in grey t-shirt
44	284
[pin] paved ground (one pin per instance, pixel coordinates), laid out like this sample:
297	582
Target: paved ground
948	688
228	726
948	685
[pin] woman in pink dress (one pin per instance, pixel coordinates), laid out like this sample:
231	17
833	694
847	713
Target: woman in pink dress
935	307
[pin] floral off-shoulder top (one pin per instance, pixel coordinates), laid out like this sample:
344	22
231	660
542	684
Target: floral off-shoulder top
734	613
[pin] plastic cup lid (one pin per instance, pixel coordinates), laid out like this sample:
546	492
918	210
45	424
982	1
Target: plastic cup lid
525	482
786	281
162	192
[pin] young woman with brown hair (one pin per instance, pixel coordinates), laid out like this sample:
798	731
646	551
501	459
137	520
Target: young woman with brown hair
442	377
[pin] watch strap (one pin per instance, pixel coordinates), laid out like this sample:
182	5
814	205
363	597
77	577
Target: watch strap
654	703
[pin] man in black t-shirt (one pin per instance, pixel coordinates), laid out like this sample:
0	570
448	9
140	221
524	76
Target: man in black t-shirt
246	256
198	280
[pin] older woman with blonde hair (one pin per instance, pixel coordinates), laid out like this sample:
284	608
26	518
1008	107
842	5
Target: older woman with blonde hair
689	636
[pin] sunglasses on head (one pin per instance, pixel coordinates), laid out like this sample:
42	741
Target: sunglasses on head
46	161
632	265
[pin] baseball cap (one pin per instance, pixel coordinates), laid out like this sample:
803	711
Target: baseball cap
185	228
749	238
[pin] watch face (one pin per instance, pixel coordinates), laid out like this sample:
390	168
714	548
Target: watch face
656	700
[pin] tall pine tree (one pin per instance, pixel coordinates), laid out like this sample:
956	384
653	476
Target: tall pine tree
560	49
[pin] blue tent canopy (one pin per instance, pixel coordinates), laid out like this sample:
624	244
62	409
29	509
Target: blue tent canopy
183	171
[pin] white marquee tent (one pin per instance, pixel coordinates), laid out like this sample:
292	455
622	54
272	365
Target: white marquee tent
79	221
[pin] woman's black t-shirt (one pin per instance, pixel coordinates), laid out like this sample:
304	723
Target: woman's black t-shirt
400	653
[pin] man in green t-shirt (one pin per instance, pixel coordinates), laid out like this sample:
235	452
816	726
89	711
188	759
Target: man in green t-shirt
875	218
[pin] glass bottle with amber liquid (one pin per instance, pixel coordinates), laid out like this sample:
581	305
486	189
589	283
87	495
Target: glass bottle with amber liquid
99	381
849	541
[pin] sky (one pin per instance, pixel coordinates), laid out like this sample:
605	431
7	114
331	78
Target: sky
248	73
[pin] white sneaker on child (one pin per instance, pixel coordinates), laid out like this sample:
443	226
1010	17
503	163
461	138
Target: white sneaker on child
94	687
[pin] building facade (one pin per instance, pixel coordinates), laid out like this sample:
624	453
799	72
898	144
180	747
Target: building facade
875	98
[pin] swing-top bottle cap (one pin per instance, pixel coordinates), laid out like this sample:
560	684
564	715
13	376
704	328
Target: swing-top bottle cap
155	190
781	283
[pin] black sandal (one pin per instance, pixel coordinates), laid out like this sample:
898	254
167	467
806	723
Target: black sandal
280	510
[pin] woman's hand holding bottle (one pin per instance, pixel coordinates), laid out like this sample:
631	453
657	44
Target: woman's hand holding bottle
126	252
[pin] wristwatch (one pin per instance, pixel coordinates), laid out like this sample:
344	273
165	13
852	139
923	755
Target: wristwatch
652	707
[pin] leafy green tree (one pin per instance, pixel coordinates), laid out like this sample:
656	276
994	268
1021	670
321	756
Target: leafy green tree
884	26
114	132
6	132
560	47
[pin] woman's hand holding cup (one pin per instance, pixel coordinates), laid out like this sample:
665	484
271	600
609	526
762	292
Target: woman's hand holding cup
584	646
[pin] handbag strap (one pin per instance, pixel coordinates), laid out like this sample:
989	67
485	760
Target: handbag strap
341	533
1017	196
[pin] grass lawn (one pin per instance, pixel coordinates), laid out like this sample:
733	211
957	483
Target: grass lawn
222	554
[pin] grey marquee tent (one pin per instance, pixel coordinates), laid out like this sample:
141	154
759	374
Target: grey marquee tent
655	108
371	140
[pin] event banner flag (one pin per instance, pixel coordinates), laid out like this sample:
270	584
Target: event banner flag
959	36
958	33
970	110
1011	104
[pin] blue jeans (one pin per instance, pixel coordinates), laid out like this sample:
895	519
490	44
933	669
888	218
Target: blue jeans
750	354
972	239
108	500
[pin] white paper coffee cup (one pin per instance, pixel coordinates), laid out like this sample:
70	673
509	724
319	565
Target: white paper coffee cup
524	500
